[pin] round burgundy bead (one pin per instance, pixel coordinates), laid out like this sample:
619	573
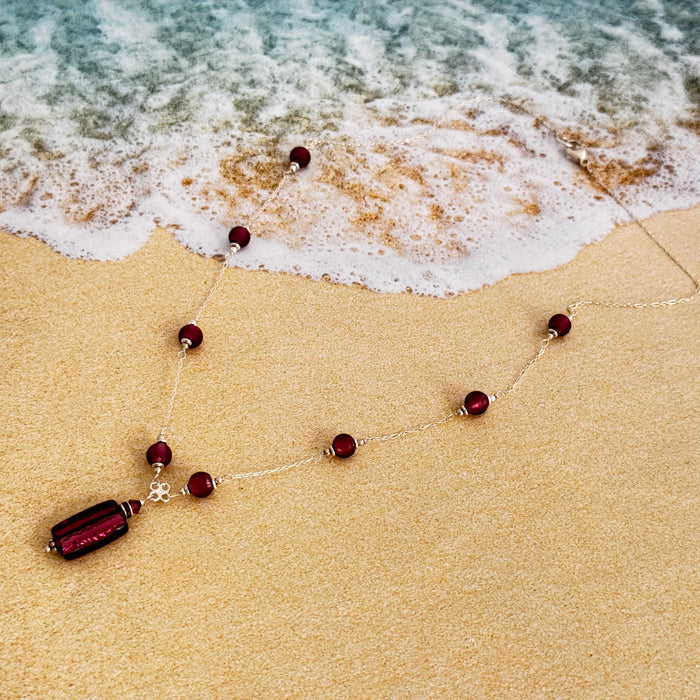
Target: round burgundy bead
344	445
240	235
301	156
159	453
476	403
560	323
200	484
192	333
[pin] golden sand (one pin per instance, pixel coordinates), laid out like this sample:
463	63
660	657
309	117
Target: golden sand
546	549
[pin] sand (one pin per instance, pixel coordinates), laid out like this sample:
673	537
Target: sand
549	548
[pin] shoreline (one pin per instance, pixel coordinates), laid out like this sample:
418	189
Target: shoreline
547	543
489	195
166	232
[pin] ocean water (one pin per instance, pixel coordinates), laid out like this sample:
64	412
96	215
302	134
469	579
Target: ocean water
116	115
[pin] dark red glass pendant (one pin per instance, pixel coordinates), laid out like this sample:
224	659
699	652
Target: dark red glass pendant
92	528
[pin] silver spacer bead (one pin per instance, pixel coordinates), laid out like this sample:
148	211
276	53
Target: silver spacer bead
294	167
329	452
185	491
551	334
492	398
186	343
50	547
218	480
235	247
461	411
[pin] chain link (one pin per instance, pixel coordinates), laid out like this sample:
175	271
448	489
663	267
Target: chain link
544	344
407	431
274	470
572	308
181	356
576	152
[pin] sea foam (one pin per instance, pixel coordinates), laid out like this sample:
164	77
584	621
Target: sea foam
116	116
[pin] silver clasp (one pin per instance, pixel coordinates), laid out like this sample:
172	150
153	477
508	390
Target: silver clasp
574	151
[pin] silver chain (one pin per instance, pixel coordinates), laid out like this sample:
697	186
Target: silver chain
160	491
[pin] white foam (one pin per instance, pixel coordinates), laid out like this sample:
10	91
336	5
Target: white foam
96	153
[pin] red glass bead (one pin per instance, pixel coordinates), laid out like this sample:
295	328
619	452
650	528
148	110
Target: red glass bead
192	333
301	156
560	323
159	453
91	529
476	403
344	445
200	484
240	235
133	506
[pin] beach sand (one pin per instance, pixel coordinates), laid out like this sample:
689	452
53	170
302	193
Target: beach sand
547	548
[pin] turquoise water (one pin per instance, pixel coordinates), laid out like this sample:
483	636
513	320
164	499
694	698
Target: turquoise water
116	114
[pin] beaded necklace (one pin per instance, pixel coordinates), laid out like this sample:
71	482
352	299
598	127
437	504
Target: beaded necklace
105	522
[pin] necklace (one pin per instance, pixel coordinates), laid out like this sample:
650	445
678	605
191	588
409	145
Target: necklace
97	526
